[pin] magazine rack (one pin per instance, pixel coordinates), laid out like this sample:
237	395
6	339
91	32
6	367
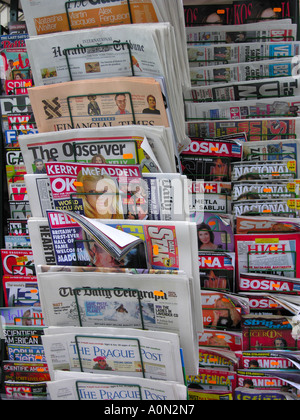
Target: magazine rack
272	270
93	47
67	3
139	302
135	158
69	98
143	372
106	385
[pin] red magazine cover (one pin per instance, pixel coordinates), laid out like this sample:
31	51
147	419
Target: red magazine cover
227	340
18	262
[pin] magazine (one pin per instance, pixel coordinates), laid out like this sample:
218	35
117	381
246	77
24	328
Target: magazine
246	394
18	262
223	311
264	304
285	207
273	254
86	386
214	197
227	340
250	282
25	371
276	150
26	390
20	291
208	379
266	224
203	76
112	354
117	145
263	190
268	360
270	170
217	359
151	301
279	336
217	271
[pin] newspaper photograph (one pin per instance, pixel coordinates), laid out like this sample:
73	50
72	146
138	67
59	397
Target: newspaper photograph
256	129
98	301
202	55
240	91
268	254
113	355
80	105
203	76
86	387
282	31
262	108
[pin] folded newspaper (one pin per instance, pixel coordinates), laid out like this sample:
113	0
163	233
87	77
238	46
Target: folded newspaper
87	387
159	303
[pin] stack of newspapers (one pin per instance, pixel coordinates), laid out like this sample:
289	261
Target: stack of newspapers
111	275
242	115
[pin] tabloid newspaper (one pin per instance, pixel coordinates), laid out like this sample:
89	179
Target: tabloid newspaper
260	108
87	387
203	76
256	129
117	145
260	190
268	254
162	303
253	32
202	55
238	12
113	354
240	91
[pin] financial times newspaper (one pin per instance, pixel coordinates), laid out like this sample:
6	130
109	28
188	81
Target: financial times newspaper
157	302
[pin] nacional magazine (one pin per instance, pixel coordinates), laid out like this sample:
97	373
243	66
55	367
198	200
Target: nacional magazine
151	218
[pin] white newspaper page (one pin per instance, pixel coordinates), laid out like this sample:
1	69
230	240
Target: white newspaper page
160	303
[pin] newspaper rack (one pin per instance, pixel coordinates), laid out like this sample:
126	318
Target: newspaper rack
143	372
272	270
69	98
77	291
102	46
106	384
69	2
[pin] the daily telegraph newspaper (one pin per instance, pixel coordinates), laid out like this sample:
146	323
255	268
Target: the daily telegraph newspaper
202	13
161	303
256	129
97	103
115	145
202	55
261	108
268	254
86	387
113	354
275	31
203	76
240	91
